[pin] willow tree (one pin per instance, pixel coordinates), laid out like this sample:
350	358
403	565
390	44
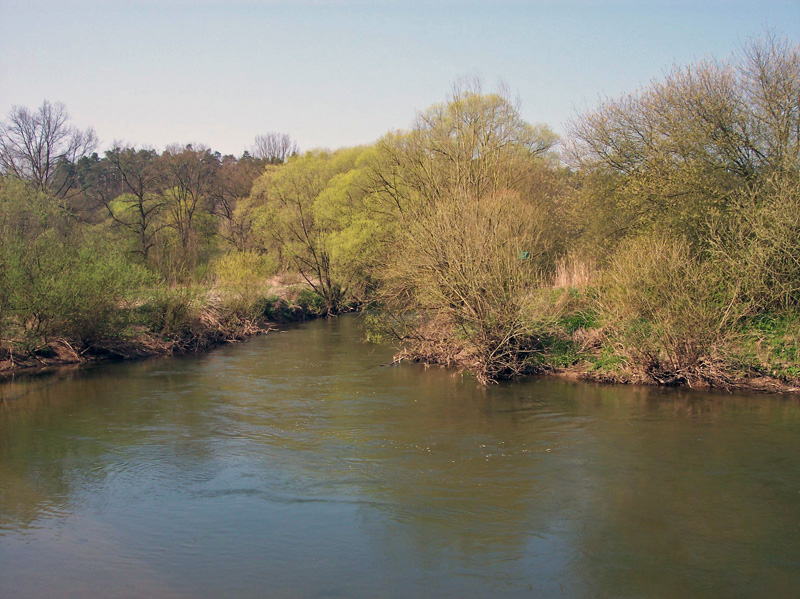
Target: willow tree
471	233
294	216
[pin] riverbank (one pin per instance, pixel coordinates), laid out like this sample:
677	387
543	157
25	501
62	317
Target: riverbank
216	323
187	323
59	352
589	373
756	384
759	356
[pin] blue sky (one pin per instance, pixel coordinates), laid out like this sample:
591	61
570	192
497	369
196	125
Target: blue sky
340	73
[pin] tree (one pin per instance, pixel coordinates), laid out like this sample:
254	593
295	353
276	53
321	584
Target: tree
274	148
189	178
357	229
290	215
473	145
770	70
130	184
683	148
233	186
461	187
62	280
42	147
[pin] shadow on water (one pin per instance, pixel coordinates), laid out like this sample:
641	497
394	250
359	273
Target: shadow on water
296	465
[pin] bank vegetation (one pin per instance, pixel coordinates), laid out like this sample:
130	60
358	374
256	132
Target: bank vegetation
658	242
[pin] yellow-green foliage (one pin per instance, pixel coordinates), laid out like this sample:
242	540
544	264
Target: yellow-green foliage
171	311
679	217
690	191
667	310
678	151
758	246
243	270
241	279
472	233
357	230
303	210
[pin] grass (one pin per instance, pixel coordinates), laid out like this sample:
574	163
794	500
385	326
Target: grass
770	345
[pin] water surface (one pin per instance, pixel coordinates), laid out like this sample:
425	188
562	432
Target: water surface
298	465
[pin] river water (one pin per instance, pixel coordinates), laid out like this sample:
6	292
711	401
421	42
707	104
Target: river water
299	465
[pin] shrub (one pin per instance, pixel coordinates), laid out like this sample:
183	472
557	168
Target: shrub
311	302
89	296
668	312
466	272
59	280
240	281
171	310
758	247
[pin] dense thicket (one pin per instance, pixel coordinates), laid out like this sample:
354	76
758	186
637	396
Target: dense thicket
685	148
59	282
698	174
135	252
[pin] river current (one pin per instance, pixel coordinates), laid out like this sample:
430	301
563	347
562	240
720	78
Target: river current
301	465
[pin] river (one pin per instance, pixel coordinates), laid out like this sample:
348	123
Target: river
300	465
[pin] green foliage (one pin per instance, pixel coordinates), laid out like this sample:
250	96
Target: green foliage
606	361
770	344
311	302
170	310
60	281
668	311
277	309
294	307
582	319
241	278
82	295
304	210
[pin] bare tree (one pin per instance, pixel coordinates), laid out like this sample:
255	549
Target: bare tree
42	147
274	148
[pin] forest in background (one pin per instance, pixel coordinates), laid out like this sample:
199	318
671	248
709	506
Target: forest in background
658	242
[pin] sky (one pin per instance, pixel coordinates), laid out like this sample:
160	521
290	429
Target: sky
344	72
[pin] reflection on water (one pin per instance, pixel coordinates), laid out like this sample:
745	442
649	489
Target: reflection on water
297	465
